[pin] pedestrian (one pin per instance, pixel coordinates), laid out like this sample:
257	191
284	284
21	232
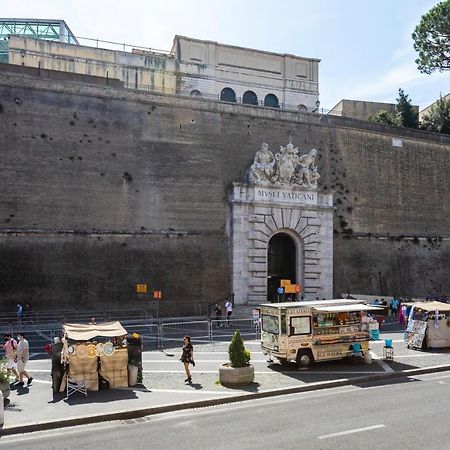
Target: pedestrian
93	321
28	311
187	357
19	312
23	353
218	315
229	308
10	353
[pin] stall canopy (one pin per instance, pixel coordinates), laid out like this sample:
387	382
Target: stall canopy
347	308
432	306
81	332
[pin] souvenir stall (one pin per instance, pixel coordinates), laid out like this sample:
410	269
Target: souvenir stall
428	325
93	357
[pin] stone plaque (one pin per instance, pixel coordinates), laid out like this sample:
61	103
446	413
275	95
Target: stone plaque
270	195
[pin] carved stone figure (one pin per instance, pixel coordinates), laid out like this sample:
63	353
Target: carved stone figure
287	161
307	169
262	169
285	168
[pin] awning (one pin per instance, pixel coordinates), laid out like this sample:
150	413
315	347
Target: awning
81	332
348	308
432	306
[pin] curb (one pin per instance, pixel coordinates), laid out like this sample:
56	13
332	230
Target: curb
134	414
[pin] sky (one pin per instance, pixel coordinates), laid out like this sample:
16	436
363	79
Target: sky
365	46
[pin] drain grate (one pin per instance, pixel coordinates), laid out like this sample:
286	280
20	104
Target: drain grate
136	420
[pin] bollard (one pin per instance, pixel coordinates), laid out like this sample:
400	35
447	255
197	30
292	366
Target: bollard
2	409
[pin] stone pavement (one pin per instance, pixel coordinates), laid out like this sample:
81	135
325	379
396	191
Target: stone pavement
163	389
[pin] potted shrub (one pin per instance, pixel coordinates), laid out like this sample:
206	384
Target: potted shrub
238	371
4	379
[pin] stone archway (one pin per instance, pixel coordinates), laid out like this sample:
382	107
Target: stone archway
282	262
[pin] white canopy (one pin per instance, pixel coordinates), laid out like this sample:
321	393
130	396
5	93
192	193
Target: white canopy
348	308
82	332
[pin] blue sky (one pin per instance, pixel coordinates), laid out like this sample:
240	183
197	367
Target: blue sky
365	46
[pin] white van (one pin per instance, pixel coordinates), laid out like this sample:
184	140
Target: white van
315	330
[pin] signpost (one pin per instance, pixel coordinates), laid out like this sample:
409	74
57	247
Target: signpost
157	295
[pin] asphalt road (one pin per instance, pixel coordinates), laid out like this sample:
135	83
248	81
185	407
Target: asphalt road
409	414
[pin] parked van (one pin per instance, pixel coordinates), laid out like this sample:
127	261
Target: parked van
315	330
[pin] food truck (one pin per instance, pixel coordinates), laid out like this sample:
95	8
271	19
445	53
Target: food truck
310	331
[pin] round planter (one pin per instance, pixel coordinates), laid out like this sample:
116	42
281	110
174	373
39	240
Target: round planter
236	375
4	387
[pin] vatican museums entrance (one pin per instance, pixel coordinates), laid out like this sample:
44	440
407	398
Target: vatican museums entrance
281	263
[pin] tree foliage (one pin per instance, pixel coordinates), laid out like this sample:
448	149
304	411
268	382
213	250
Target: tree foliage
385	117
438	118
432	39
405	111
403	116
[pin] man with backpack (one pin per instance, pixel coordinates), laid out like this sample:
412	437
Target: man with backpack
10	347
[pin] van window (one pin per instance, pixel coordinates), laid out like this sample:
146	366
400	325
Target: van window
300	325
283	324
270	324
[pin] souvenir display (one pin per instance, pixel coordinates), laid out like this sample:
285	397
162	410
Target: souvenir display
91	351
99	349
108	349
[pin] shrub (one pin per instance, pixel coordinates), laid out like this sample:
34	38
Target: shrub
238	354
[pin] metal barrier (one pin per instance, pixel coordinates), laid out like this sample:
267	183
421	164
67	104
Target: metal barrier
172	333
224	329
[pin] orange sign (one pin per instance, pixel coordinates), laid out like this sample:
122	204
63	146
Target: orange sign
292	289
284	283
141	288
157	295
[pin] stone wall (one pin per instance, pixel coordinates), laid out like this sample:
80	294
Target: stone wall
105	188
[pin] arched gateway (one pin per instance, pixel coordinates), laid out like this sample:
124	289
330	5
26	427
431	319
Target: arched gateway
282	228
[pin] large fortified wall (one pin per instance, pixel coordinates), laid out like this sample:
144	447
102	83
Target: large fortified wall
105	188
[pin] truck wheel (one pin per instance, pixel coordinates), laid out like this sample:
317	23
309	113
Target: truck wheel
304	358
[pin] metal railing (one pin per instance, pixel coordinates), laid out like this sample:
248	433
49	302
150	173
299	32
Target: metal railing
158	335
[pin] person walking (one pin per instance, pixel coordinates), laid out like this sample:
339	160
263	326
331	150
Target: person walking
19	312
23	354
10	353
218	315
229	308
187	357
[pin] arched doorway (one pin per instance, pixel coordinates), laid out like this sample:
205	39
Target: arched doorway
271	100
281	263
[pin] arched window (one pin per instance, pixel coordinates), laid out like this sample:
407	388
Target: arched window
250	98
228	95
196	93
271	100
302	108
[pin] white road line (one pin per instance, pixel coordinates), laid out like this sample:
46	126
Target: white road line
271	372
355	430
385	367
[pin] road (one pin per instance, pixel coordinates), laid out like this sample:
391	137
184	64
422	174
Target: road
410	414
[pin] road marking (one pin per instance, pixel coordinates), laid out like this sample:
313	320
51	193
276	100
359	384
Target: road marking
385	366
355	430
273	372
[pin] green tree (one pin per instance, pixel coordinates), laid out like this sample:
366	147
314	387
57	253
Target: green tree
438	118
432	39
403	116
385	117
405	112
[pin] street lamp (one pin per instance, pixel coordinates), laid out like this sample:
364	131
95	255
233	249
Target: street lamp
317	105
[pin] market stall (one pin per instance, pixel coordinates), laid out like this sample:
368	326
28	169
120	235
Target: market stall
429	325
95	356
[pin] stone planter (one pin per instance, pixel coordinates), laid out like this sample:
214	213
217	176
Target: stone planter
235	376
4	387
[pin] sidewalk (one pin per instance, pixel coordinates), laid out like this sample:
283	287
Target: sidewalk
33	408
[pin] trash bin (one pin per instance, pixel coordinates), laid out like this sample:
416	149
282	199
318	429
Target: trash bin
132	375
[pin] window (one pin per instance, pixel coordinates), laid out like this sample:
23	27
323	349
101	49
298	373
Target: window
271	100
300	325
302	108
270	324
228	95
250	98
196	93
